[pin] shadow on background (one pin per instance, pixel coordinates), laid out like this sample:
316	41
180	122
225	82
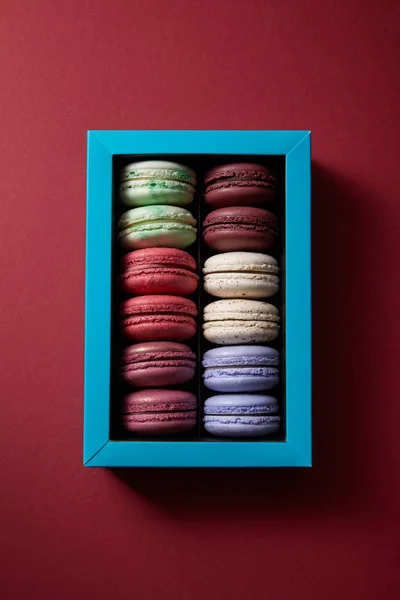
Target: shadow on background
339	482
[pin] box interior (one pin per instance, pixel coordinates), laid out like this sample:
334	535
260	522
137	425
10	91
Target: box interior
200	163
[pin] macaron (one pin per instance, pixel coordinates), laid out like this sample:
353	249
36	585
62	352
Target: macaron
241	368
158	318
231	322
159	411
239	184
241	415
156	364
157	182
159	271
241	275
240	228
157	226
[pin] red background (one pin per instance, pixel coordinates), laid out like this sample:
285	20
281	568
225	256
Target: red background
326	532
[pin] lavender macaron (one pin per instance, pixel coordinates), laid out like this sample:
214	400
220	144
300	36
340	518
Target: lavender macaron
241	368
241	415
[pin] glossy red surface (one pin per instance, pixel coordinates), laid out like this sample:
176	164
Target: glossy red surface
329	532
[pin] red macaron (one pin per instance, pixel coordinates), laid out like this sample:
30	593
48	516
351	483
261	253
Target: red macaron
240	184
240	228
158	318
159	411
159	271
157	364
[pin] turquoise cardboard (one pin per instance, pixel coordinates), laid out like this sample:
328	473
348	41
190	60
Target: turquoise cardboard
295	450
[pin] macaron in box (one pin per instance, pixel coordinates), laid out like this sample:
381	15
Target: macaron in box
241	368
240	228
241	275
240	184
159	271
157	226
241	415
158	364
159	411
152	182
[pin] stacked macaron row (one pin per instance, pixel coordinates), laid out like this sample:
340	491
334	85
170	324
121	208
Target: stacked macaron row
157	317
242	368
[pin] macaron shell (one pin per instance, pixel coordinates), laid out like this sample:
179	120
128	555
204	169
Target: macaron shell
239	237
240	332
159	327
222	196
241	404
159	257
169	235
241	309
241	426
239	262
240	171
160	424
163	304
233	379
158	169
245	356
159	400
159	280
146	193
159	374
243	285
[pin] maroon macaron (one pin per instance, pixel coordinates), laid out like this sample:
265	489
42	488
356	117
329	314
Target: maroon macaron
159	271
240	228
158	318
158	364
240	184
159	411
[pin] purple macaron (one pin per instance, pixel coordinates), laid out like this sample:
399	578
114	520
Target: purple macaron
241	415
241	368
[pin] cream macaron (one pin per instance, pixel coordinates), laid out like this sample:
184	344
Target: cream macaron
241	275
228	322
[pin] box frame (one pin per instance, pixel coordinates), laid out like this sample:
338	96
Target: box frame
296	449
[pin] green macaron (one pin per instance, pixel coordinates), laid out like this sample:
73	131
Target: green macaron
157	226
157	182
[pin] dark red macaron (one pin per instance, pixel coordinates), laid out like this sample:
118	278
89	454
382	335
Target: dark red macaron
159	271
159	411
158	318
158	364
240	228
240	184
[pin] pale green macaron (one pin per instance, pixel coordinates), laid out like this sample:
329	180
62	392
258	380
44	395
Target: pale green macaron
157	226
231	322
157	182
241	275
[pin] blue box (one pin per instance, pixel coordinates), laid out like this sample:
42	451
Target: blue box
100	450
